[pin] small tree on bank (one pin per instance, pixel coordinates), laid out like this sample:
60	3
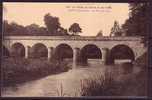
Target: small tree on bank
75	29
100	33
116	30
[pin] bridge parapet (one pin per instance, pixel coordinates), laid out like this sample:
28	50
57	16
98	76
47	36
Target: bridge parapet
78	38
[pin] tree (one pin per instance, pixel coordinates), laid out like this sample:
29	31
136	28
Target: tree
13	28
116	30
35	29
6	27
100	33
52	23
62	31
43	31
75	29
139	20
32	29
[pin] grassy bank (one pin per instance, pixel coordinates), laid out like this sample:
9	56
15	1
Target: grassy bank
122	82
19	70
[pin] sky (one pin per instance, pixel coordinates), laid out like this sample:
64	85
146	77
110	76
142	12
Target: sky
92	17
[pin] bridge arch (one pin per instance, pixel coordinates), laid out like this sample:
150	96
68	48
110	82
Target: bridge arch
63	51
39	50
89	51
122	52
17	50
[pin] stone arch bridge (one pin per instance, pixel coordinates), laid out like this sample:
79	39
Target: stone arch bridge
104	48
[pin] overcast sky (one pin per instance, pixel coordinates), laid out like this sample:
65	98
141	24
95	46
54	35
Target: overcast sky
92	17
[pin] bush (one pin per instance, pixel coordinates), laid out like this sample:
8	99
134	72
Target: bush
18	70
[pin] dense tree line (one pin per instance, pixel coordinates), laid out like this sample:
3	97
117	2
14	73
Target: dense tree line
16	29
52	23
137	24
139	20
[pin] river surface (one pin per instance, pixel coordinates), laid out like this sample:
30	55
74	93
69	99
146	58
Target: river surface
63	84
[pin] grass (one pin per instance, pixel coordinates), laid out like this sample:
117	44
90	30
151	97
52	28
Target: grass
100	86
19	70
60	91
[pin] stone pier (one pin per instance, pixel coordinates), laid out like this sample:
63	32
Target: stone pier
50	53
104	55
75	57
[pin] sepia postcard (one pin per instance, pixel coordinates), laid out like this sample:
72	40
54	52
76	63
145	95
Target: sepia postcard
69	49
